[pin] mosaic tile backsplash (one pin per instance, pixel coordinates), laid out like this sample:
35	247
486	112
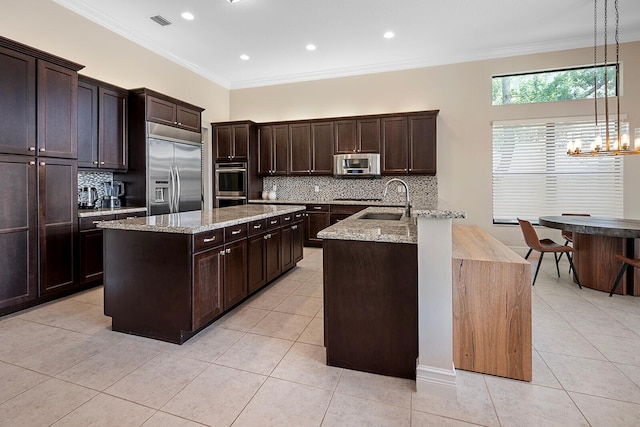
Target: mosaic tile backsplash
422	189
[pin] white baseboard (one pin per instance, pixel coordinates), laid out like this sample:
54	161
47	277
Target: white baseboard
436	381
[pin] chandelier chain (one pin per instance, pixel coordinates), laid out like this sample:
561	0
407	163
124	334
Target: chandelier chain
595	58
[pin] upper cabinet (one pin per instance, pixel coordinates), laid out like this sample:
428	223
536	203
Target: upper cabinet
409	144
37	102
357	136
102	125
273	149
232	140
170	111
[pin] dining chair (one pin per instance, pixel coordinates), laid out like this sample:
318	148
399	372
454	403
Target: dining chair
543	246
568	235
626	262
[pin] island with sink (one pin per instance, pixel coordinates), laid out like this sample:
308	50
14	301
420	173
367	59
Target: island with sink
169	276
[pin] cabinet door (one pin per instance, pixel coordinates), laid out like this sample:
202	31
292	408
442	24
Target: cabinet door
189	119
240	142
422	145
57	210
395	159
281	149
368	136
286	245
57	111
87	125
316	222
17	102
257	272
322	148
91	266
265	150
235	273
274	262
222	140
113	140
18	230
298	241
161	111
300	148
345	136
208	276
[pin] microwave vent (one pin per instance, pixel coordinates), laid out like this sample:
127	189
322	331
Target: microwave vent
159	19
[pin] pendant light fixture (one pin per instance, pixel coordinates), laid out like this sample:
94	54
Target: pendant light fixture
620	145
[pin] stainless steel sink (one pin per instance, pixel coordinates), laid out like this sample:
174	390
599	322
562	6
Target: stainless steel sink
382	216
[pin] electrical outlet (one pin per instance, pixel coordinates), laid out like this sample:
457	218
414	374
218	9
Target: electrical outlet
316	188
400	189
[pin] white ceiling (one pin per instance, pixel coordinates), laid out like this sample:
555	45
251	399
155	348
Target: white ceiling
348	33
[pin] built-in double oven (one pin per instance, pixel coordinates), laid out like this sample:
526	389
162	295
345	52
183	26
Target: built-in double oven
230	184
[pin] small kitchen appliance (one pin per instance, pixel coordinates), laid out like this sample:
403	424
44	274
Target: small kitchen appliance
87	197
113	190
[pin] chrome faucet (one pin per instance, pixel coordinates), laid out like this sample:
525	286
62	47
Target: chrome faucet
407	203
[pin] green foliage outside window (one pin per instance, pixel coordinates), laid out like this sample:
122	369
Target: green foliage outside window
558	85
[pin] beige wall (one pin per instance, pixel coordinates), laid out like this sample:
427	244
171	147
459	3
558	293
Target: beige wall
462	93
106	56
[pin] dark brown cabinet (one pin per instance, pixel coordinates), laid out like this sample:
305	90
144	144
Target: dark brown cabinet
232	141
273	263
357	136
256	267
169	111
235	273
311	148
18	231
208	276
102	125
317	219
409	144
292	241
273	149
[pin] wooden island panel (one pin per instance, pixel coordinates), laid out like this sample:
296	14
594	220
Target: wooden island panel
491	306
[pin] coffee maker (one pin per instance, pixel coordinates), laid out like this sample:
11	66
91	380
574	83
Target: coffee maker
113	190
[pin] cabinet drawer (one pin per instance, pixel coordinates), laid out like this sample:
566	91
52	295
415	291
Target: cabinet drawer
273	222
257	227
235	232
286	219
317	208
208	239
298	216
89	223
130	215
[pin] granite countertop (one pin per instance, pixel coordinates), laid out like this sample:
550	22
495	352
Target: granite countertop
82	213
404	230
325	202
199	221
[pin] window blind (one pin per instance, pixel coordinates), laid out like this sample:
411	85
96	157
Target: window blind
533	176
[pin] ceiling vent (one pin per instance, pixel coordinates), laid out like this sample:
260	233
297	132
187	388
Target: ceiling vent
161	20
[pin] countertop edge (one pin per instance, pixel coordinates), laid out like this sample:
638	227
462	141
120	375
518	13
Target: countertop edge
84	213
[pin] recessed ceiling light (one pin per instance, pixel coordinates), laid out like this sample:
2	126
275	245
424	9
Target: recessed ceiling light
233	1
244	57
188	16
389	35
311	46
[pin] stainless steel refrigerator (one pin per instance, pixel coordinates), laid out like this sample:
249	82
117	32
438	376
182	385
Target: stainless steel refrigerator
174	170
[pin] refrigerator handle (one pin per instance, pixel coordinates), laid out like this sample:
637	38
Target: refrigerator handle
172	189
179	190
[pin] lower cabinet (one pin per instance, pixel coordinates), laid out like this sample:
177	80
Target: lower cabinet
235	273
317	219
256	270
273	251
208	276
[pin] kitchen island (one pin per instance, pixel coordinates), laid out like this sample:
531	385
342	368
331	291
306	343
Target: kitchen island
168	276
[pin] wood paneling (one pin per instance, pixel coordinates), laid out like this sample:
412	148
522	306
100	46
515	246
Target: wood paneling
491	306
599	274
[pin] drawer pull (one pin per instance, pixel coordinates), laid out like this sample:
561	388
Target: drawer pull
275	221
209	240
317	207
287	218
294	227
234	232
221	253
130	217
265	237
257	226
228	251
96	222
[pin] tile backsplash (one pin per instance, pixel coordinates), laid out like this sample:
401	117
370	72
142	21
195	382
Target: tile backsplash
422	189
94	179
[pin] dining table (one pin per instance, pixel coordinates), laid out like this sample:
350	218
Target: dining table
596	242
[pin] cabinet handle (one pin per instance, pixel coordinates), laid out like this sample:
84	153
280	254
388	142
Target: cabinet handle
222	253
31	163
175	123
95	222
179	124
287	218
294	227
234	232
209	240
42	163
317	207
95	162
255	227
273	222
32	148
102	163
265	237
228	251
41	150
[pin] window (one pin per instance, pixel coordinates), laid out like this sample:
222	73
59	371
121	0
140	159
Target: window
556	85
533	176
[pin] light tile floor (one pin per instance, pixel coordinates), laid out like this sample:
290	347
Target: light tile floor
263	364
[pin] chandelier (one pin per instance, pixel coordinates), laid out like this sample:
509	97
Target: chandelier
621	144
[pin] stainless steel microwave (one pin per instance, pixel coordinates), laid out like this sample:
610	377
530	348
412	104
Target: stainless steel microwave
358	165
